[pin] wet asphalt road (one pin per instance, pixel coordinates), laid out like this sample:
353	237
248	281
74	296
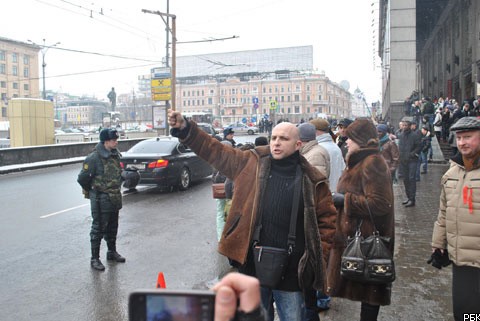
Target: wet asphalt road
45	271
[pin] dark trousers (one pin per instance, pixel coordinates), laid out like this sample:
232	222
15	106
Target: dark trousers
465	291
369	312
104	220
409	170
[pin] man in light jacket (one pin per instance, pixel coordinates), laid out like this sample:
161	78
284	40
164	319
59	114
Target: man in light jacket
324	139
457	228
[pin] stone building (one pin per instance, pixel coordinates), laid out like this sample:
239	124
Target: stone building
19	73
430	47
278	82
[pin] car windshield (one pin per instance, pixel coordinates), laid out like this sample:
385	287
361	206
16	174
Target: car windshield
154	147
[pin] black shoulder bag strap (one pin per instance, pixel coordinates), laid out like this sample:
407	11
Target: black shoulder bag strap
293	216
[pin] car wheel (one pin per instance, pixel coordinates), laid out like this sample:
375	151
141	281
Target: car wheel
185	179
250	132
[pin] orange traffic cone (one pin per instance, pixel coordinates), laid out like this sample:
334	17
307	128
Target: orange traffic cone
161	281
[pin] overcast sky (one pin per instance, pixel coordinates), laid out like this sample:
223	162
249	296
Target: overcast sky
340	32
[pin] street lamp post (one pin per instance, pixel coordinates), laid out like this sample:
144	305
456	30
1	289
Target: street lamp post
44	51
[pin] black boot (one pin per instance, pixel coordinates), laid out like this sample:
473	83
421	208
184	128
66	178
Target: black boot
95	260
112	254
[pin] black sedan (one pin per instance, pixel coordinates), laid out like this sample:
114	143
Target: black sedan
165	162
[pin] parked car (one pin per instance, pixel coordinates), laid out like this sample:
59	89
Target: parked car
165	162
206	127
240	128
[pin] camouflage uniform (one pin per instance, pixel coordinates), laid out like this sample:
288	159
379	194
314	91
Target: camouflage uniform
101	180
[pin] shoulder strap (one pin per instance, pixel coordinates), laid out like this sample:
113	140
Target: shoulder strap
371	216
293	217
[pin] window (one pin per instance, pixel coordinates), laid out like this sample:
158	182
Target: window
26	59
297	109
2	55
319	97
245	111
308	87
3	84
308	97
15	85
25	87
210	101
14	57
26	72
297	97
15	70
2	69
4	112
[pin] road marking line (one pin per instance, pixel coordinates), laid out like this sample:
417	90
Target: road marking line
63	211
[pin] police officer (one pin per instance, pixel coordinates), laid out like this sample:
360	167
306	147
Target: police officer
100	179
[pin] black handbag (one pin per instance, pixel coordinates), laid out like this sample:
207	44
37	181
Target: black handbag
271	262
368	260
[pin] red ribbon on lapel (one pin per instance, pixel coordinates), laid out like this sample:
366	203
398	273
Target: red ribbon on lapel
468	198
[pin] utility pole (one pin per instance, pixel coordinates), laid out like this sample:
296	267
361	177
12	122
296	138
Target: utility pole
167	45
174	48
43	51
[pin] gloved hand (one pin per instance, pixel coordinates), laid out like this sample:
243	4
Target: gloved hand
439	259
338	199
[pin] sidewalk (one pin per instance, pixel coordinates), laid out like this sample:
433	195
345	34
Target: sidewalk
420	292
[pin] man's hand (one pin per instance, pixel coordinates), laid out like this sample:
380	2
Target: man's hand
175	119
232	289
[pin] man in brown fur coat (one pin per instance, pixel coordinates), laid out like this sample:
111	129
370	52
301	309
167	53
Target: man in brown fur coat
264	184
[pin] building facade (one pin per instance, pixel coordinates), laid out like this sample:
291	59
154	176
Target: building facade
19	73
428	48
289	95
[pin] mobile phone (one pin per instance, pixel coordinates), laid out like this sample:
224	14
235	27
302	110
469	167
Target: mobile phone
171	305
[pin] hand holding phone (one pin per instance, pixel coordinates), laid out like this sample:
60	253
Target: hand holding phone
236	295
171	305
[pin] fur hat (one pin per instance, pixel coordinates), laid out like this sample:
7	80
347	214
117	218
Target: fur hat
321	124
307	132
363	132
261	141
108	134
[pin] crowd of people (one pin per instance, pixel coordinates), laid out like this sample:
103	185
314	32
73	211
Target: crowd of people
304	192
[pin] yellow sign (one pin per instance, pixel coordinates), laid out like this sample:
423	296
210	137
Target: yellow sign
161	90
160	97
161	82
273	104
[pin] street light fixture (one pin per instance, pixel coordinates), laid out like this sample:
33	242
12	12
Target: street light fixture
43	51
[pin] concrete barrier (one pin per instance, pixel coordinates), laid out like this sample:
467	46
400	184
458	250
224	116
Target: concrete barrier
32	154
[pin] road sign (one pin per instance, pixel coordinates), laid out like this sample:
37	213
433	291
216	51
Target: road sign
273	104
161	82
160	97
255	100
255	106
161	72
161	90
244	120
254	119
